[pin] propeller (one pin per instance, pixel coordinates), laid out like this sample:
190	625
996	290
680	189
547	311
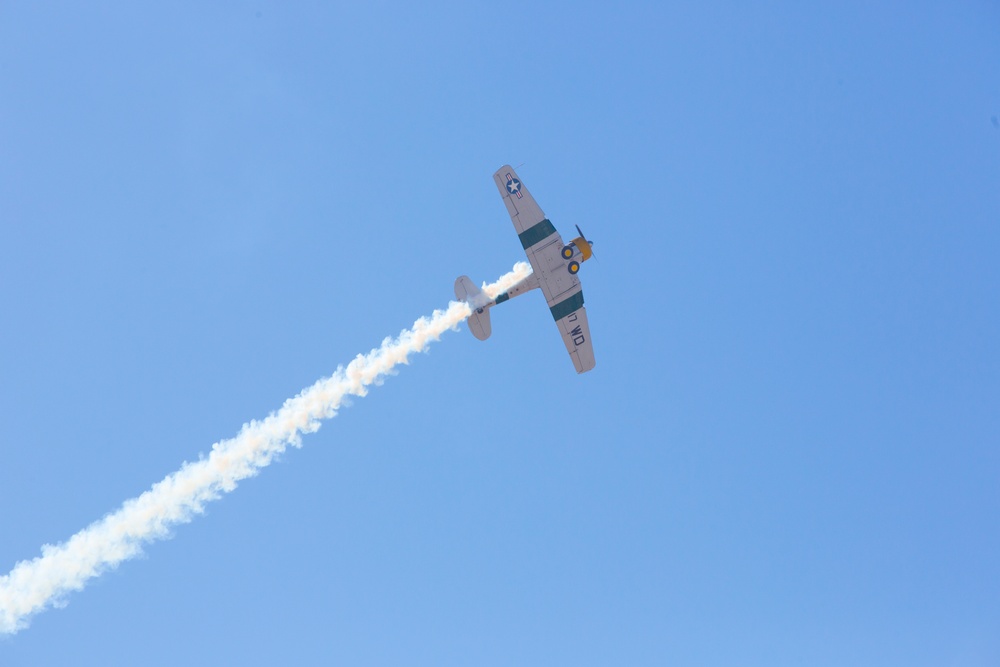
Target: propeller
580	232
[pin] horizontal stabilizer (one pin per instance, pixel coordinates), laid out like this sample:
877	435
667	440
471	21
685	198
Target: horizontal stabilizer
479	324
479	320
466	290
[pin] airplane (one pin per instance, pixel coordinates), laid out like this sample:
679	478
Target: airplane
554	267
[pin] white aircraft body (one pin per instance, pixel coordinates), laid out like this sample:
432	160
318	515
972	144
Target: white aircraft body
554	267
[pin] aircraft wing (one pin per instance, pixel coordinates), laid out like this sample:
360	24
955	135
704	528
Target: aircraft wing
543	246
576	335
523	209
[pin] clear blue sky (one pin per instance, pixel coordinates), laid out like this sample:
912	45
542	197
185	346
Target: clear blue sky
788	454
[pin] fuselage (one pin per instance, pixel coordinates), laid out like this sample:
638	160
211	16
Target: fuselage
529	283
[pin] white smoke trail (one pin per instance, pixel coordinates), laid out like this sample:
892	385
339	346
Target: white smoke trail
44	581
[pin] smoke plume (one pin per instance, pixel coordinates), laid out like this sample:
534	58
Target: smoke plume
34	585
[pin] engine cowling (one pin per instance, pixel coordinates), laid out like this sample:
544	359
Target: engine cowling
579	249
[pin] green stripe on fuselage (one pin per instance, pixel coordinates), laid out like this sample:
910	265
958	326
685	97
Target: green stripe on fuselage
536	233
567	306
502	297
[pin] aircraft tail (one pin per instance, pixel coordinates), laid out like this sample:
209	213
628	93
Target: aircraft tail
479	320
